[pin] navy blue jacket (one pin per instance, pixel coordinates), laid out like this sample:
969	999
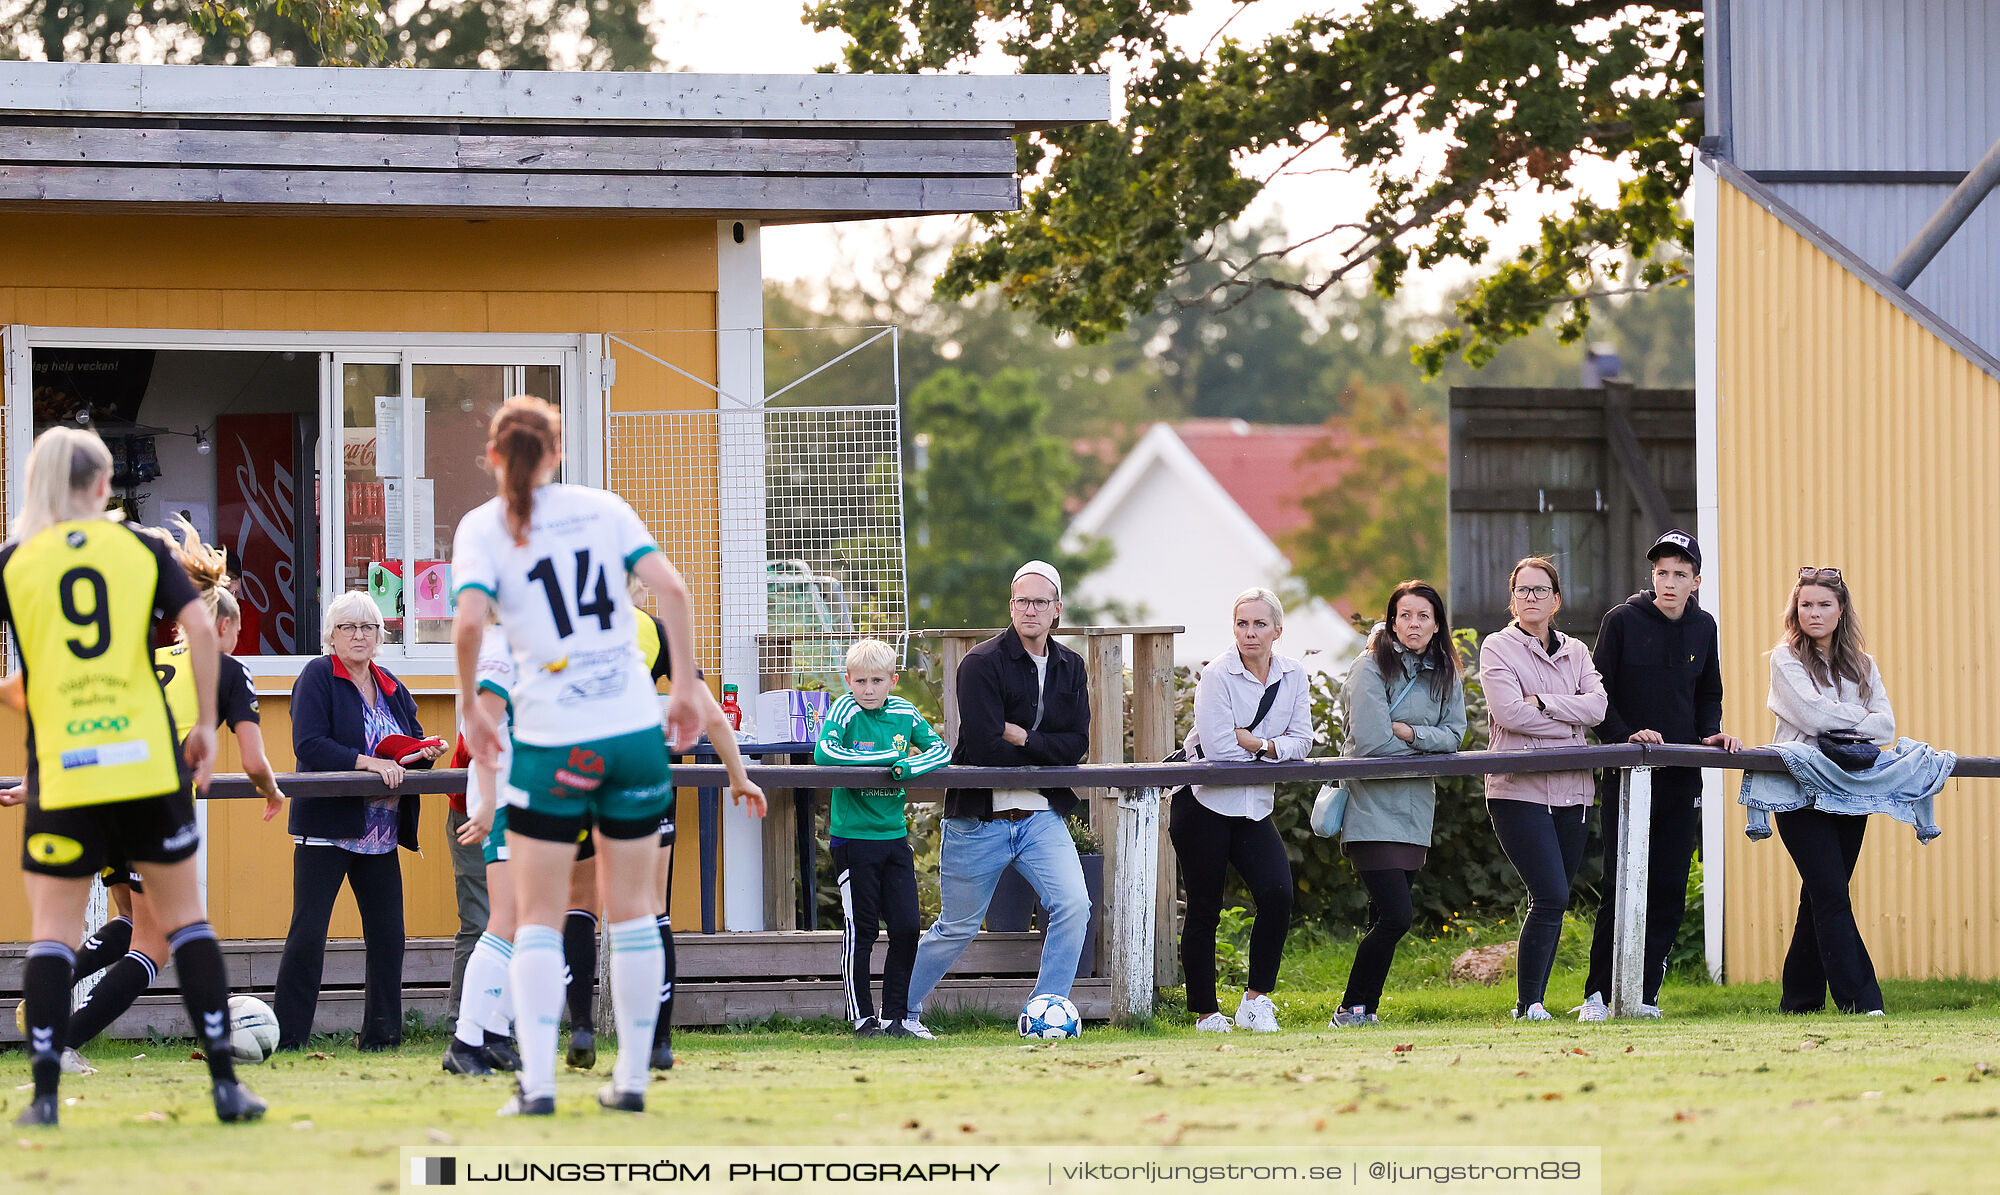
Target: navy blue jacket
327	733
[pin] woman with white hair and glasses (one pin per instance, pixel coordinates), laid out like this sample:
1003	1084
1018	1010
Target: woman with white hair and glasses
1251	704
343	706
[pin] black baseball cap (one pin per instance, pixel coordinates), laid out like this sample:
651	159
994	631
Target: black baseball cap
1679	543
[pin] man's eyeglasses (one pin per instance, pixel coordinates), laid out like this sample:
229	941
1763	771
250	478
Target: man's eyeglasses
1814	573
1035	604
358	628
1532	593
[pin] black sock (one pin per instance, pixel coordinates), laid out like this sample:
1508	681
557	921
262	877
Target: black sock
124	982
102	949
205	993
663	1028
45	984
580	956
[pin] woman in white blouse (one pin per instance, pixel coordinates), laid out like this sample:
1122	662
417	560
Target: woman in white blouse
1821	680
1251	704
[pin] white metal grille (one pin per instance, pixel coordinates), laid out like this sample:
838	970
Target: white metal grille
830	509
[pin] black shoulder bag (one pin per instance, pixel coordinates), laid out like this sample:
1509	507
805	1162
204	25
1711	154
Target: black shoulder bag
1180	755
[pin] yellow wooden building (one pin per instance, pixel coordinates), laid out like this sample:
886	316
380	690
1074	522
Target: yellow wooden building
291	298
1849	418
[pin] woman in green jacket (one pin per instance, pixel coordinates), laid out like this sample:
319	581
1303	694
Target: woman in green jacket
1403	697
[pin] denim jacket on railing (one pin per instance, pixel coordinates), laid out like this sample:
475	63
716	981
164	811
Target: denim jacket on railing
1904	785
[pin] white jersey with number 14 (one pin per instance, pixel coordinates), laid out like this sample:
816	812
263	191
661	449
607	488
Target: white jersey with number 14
578	674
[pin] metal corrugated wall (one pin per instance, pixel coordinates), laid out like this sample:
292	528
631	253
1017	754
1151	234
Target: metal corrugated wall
1876	85
1848	434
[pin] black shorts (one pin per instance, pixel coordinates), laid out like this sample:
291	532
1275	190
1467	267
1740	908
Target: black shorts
84	839
118	871
561	827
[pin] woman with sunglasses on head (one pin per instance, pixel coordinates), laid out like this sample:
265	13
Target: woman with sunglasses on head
1542	691
1822	679
1403	697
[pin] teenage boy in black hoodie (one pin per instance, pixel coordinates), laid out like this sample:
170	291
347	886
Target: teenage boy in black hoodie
1663	675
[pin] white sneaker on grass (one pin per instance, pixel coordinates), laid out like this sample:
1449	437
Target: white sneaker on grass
1214	1022
911	1027
1257	1014
74	1063
1535	1013
1875	1012
1650	1012
1352	1018
1593	1008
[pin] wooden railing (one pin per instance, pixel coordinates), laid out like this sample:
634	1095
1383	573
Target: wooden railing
1133	891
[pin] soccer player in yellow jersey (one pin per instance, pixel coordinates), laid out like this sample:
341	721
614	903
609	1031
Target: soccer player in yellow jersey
106	776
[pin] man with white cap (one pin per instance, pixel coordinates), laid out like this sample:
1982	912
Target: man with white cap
1022	701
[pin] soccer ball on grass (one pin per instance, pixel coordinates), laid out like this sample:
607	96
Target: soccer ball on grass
1050	1017
253	1029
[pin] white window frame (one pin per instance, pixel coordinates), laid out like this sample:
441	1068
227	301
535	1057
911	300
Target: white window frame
579	359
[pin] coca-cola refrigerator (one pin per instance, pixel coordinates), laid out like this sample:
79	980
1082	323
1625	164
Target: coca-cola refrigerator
267	519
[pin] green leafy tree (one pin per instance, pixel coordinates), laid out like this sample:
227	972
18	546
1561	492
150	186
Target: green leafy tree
984	483
1448	111
1382	520
491	34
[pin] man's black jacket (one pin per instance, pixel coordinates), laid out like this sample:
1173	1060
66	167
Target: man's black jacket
1660	673
996	685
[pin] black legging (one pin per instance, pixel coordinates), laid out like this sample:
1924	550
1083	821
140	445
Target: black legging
1670	847
1545	844
1827	950
377	881
1390	914
1208	843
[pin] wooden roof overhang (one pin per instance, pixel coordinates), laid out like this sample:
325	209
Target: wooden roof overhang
778	148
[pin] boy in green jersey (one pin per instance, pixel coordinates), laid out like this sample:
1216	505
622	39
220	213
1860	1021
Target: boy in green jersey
870	835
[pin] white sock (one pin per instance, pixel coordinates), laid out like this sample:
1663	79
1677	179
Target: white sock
535	978
484	987
638	967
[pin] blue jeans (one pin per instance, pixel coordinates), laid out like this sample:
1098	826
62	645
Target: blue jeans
971	858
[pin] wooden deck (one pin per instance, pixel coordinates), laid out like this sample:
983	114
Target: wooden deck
727	978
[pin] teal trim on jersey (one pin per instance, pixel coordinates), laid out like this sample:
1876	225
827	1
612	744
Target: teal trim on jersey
633	556
462	586
487	686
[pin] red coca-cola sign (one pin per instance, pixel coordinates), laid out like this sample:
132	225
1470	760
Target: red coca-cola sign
256	487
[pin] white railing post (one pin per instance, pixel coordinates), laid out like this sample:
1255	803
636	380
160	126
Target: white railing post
1132	905
1635	832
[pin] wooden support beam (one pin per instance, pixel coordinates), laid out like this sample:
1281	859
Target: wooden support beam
1153	739
1632	460
781	861
1104	669
1132	926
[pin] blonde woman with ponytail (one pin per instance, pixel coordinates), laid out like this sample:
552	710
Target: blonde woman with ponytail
81	590
588	747
131	955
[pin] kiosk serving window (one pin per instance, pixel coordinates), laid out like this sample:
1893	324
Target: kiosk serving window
319	468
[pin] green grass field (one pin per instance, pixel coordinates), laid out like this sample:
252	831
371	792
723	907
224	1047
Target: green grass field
1725	1095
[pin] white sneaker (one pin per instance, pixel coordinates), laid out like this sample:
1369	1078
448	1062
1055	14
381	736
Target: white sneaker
1214	1022
1650	1012
912	1027
1876	1012
1257	1014
1535	1013
1593	1008
74	1063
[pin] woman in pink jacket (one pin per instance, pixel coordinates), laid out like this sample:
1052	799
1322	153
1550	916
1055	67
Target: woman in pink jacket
1541	691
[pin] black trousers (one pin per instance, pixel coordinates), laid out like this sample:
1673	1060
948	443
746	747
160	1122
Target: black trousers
1545	845
1208	844
1390	913
377	881
878	884
1827	950
1670	850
